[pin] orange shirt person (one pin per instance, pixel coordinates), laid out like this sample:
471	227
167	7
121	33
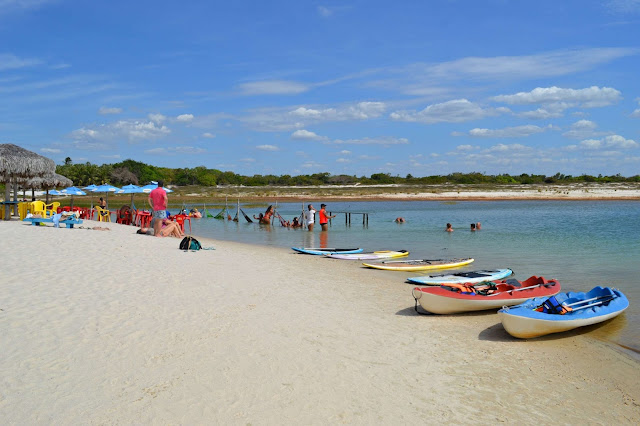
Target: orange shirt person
324	217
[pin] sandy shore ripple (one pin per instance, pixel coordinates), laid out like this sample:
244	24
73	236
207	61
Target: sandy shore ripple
118	328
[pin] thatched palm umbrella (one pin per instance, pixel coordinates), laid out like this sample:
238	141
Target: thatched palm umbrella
47	182
17	162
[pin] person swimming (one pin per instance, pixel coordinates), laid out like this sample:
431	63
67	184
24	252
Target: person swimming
449	228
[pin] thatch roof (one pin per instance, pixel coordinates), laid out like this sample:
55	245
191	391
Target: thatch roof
46	181
19	162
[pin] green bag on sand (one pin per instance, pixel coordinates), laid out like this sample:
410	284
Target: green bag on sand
190	243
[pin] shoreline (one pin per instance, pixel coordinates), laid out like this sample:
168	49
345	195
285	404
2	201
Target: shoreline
115	327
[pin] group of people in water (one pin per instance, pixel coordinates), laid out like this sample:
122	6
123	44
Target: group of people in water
474	227
307	218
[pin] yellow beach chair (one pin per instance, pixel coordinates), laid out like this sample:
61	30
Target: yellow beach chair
104	215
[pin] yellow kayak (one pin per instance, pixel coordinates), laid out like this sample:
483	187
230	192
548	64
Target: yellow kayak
419	265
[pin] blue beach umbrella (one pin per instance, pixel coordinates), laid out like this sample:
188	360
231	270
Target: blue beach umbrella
107	188
56	192
72	190
90	187
153	185
130	189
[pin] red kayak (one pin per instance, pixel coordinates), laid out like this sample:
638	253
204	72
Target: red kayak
456	298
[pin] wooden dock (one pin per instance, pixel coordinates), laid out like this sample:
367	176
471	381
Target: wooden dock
347	217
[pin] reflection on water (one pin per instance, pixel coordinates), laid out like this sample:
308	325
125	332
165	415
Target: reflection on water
581	243
324	239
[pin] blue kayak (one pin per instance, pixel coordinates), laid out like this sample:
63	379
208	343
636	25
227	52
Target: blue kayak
324	251
564	311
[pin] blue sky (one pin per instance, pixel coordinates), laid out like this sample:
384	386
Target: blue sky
345	87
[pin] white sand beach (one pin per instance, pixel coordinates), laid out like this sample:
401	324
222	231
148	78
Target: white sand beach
117	328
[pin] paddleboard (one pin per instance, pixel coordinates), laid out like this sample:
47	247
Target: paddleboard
419	265
325	251
383	254
462	277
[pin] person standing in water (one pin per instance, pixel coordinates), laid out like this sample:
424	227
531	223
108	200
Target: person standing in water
310	217
324	218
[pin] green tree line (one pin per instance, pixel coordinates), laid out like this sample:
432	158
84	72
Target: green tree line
137	173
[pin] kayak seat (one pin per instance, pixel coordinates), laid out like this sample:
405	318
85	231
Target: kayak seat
513	282
471	274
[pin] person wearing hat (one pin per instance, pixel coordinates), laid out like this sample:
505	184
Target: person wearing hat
324	217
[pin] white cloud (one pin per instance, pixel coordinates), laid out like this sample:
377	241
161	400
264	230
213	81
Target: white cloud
611	141
582	129
187	150
591	143
85	133
636	113
345	152
547	64
157	118
516	147
623	6
587	98
455	111
618	141
12	62
129	129
359	111
306	135
324	11
369	157
343	160
286	119
552	110
107	111
273	87
466	148
208	135
175	150
267	148
185	118
508	132
51	150
156	151
384	141
140	130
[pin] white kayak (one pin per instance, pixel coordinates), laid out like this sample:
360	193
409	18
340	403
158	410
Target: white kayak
462	277
383	254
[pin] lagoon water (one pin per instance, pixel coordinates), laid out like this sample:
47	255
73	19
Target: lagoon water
581	243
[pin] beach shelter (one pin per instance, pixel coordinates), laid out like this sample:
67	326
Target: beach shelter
90	187
72	190
130	189
46	182
17	162
106	188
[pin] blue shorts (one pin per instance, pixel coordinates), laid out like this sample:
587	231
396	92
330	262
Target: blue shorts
159	214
